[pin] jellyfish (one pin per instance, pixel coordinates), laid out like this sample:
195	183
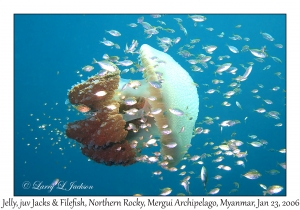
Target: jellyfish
108	131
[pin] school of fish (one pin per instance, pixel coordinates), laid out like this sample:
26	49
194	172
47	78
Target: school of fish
221	149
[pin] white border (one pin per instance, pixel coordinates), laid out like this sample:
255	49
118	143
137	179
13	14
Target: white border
8	8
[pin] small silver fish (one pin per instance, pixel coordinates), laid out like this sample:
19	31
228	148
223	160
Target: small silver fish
213	191
133	25
263	186
155	84
204	176
156	111
130	101
114	33
267	36
125	63
185	184
107	42
233	49
182	129
88	68
177	112
258	53
238	104
55	182
247	72
171	145
252	174
106	65
273	190
101	93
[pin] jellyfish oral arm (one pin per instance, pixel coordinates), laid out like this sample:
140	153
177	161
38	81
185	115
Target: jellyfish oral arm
126	113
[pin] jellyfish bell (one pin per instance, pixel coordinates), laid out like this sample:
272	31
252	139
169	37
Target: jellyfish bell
108	135
178	92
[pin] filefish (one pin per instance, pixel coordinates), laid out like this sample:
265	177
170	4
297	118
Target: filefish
166	191
273	172
273	190
252	174
255	143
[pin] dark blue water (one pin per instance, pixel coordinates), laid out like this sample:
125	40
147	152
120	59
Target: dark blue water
50	49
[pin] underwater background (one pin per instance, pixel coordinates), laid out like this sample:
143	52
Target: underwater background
49	50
